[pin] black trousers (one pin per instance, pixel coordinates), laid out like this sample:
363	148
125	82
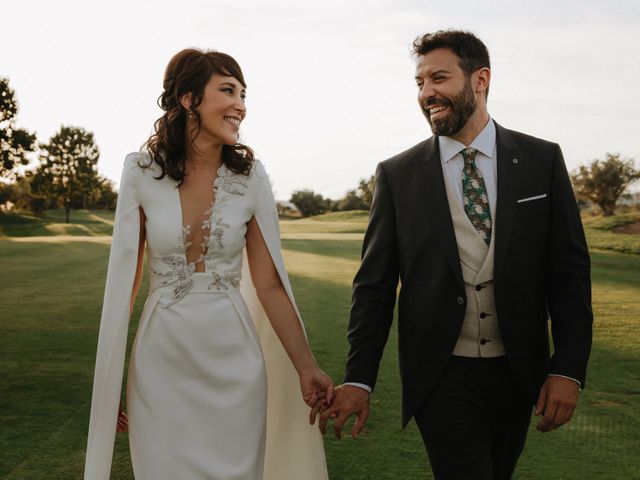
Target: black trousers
474	425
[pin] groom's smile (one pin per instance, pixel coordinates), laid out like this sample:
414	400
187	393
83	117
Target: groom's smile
437	112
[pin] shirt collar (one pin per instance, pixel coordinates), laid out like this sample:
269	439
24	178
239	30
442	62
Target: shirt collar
485	143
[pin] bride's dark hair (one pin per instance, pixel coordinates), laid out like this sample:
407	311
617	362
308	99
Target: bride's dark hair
189	71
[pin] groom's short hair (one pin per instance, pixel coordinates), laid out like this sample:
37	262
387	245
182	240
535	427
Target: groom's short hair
473	54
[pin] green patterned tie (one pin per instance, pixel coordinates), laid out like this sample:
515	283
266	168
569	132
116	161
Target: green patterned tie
476	200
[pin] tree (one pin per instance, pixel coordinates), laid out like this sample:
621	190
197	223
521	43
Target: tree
27	200
358	199
15	142
68	168
7	193
104	195
20	195
604	181
309	203
352	201
365	189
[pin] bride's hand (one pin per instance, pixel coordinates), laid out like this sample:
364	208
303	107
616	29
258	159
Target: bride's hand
123	421
316	385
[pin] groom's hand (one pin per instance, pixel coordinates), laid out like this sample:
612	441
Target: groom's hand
348	400
556	403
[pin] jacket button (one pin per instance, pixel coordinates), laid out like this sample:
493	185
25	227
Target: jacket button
478	288
460	301
483	341
483	315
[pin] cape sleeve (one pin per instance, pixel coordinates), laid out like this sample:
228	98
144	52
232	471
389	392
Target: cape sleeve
112	340
294	449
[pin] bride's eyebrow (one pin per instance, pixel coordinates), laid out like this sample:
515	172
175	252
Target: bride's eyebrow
233	86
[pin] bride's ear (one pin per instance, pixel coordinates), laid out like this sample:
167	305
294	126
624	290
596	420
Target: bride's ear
185	101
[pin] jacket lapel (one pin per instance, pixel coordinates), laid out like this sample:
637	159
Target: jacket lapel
509	165
437	206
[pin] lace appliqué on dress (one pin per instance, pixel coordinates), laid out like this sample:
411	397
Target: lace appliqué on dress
227	182
224	281
179	275
180	272
231	182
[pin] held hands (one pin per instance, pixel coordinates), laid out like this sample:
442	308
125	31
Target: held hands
556	403
348	400
316	386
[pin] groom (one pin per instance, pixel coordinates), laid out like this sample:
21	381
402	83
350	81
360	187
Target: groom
480	225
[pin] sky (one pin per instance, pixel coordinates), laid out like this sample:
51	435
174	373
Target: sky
330	83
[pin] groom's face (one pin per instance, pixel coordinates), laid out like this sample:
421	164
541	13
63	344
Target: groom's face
445	95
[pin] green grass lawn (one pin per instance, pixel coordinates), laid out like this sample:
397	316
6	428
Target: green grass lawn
50	294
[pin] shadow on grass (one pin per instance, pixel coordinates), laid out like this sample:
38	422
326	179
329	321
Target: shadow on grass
83	222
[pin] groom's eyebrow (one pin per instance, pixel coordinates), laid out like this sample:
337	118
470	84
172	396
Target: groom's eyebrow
431	74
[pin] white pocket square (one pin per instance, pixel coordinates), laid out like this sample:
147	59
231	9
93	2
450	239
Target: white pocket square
535	197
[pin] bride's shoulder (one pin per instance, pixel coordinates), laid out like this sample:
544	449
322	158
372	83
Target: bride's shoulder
258	171
258	178
140	163
140	171
139	159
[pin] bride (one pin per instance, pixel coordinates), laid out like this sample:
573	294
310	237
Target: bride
213	333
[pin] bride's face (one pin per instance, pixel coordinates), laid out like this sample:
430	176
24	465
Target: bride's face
222	109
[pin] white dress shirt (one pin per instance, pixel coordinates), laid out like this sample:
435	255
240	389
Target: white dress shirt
452	162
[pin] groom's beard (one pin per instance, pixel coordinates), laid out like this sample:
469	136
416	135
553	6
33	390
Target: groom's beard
461	108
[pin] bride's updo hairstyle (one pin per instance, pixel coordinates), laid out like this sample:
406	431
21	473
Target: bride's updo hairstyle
189	71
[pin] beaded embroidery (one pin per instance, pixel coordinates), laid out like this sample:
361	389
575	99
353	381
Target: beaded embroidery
180	271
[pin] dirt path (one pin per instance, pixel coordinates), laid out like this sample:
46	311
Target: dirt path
631	229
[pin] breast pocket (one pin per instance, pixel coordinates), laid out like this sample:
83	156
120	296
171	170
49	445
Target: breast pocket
533	205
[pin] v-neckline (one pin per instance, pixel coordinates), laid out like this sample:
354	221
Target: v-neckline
207	237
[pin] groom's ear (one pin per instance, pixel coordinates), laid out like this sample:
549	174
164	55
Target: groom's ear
480	80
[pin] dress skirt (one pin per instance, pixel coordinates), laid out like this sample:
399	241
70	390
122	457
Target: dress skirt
197	388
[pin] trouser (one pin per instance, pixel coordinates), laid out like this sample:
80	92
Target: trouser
474	424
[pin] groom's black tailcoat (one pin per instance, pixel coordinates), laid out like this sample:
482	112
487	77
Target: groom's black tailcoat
541	270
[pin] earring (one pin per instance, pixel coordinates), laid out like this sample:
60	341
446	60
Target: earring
191	115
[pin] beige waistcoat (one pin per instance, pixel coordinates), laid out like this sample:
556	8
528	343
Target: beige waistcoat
480	333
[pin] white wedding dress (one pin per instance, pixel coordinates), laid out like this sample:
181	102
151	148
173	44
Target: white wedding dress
204	353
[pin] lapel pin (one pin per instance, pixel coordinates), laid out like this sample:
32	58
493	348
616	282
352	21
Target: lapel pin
515	161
